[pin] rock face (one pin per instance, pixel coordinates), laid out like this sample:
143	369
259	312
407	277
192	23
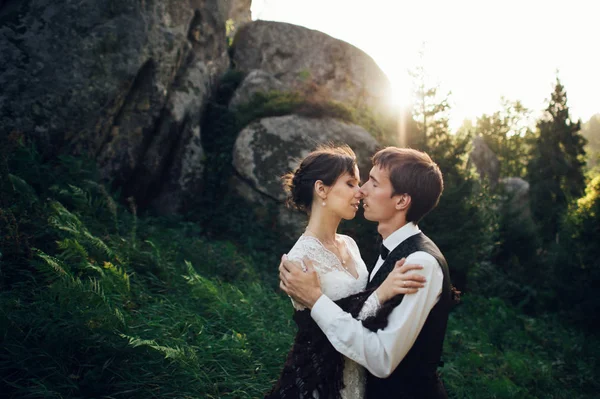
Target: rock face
256	81
239	12
271	147
485	161
123	81
310	60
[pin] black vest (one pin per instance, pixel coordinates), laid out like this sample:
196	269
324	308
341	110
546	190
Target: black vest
416	375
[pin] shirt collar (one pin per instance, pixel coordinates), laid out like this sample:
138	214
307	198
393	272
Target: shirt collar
394	239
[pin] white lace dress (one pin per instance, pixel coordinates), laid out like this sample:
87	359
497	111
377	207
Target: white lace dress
337	283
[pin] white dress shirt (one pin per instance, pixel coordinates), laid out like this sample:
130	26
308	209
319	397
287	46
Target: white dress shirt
380	352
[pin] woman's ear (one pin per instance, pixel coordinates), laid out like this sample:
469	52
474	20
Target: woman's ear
403	202
321	189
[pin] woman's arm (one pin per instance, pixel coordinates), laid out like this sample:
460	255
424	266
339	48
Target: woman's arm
382	350
397	282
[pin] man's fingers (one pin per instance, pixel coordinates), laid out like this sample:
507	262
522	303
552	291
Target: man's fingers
292	266
282	268
283	287
283	278
310	266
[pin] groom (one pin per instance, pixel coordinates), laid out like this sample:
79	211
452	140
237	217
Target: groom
403	186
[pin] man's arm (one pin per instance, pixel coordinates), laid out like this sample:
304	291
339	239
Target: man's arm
380	352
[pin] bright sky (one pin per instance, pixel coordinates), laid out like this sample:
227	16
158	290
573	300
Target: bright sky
478	49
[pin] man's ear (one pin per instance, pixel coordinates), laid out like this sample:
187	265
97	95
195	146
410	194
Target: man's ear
321	189
403	202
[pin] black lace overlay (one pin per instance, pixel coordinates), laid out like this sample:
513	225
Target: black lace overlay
313	365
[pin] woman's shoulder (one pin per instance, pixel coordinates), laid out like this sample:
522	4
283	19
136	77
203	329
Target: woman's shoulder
349	240
305	245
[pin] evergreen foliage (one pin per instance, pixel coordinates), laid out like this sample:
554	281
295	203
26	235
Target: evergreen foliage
506	133
462	225
578	259
556	167
591	132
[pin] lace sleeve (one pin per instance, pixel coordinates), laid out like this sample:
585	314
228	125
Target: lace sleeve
324	261
296	256
370	307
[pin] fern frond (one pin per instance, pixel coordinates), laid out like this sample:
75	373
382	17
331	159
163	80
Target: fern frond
56	265
98	244
119	273
72	249
176	353
23	188
83	197
111	205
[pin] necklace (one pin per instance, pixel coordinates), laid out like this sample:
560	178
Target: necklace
339	253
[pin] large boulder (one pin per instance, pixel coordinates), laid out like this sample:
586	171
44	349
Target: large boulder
485	160
256	81
309	60
122	81
271	147
239	12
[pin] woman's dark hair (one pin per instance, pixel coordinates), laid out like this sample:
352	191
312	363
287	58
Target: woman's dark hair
327	163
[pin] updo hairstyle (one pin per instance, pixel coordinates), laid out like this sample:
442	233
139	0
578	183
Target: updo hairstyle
327	163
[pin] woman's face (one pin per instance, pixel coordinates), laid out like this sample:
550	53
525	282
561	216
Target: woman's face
343	197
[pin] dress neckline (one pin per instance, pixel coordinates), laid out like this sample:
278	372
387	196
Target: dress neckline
342	268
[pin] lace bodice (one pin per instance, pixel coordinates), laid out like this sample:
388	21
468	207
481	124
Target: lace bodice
337	283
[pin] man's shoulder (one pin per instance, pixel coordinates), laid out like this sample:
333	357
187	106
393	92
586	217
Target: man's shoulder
423	243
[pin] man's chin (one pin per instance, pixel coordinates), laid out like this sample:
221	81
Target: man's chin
368	217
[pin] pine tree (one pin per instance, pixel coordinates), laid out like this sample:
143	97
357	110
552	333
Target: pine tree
506	133
431	132
459	224
556	167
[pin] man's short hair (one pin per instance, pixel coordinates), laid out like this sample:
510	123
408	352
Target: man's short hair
414	173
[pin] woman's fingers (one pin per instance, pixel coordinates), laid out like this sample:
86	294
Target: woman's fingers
409	291
413	277
408	267
404	267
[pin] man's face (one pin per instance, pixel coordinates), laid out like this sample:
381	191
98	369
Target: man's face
378	203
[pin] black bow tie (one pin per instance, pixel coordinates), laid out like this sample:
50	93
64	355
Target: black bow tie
383	251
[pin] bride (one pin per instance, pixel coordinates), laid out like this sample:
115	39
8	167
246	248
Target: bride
326	187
